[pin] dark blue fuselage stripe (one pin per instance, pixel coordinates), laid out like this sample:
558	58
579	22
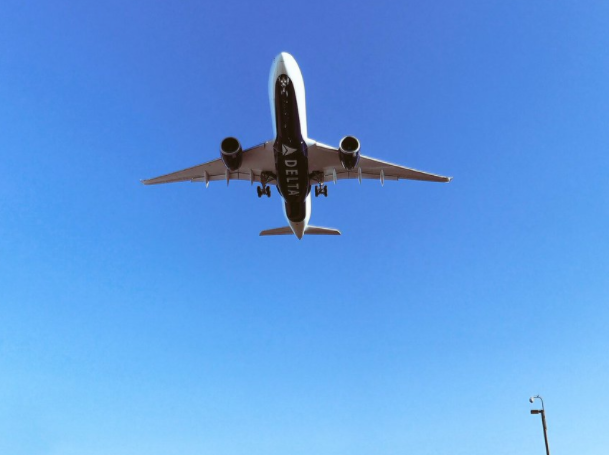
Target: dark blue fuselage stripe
290	149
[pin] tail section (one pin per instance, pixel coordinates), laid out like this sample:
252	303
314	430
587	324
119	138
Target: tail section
310	230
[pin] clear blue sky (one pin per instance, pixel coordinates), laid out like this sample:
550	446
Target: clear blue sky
154	320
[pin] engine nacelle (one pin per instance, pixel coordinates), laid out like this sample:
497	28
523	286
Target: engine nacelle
231	153
348	152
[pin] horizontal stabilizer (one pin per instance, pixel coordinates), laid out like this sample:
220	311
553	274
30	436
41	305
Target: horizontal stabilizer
278	231
314	230
311	230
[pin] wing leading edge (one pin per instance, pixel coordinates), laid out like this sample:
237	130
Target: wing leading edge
256	160
325	158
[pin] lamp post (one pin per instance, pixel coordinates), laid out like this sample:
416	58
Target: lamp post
542	411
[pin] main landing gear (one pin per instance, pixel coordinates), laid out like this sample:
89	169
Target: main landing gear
263	190
265	177
321	189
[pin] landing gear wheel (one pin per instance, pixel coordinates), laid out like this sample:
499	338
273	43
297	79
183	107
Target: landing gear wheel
321	189
324	190
263	190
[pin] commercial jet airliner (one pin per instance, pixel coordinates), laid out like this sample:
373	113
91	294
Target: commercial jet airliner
292	161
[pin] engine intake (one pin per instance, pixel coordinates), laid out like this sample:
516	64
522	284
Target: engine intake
348	152
231	153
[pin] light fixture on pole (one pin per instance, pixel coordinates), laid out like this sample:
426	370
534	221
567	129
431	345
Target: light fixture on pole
542	411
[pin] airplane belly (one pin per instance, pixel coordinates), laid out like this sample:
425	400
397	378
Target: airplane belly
290	149
292	165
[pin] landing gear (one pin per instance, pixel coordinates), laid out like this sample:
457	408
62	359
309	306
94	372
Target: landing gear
265	177
321	189
263	190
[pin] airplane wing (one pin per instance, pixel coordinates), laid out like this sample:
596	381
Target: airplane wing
325	158
256	160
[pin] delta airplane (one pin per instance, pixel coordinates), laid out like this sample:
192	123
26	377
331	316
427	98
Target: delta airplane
292	161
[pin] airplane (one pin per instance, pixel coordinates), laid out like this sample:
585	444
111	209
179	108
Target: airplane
292	161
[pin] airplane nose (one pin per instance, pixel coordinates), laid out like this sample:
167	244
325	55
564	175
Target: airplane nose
278	66
284	57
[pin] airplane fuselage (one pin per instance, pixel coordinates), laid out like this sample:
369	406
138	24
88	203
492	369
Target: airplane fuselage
287	98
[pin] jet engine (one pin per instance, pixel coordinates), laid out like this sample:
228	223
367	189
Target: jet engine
348	152
231	153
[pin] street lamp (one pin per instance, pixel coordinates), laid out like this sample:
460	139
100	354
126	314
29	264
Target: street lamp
542	411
